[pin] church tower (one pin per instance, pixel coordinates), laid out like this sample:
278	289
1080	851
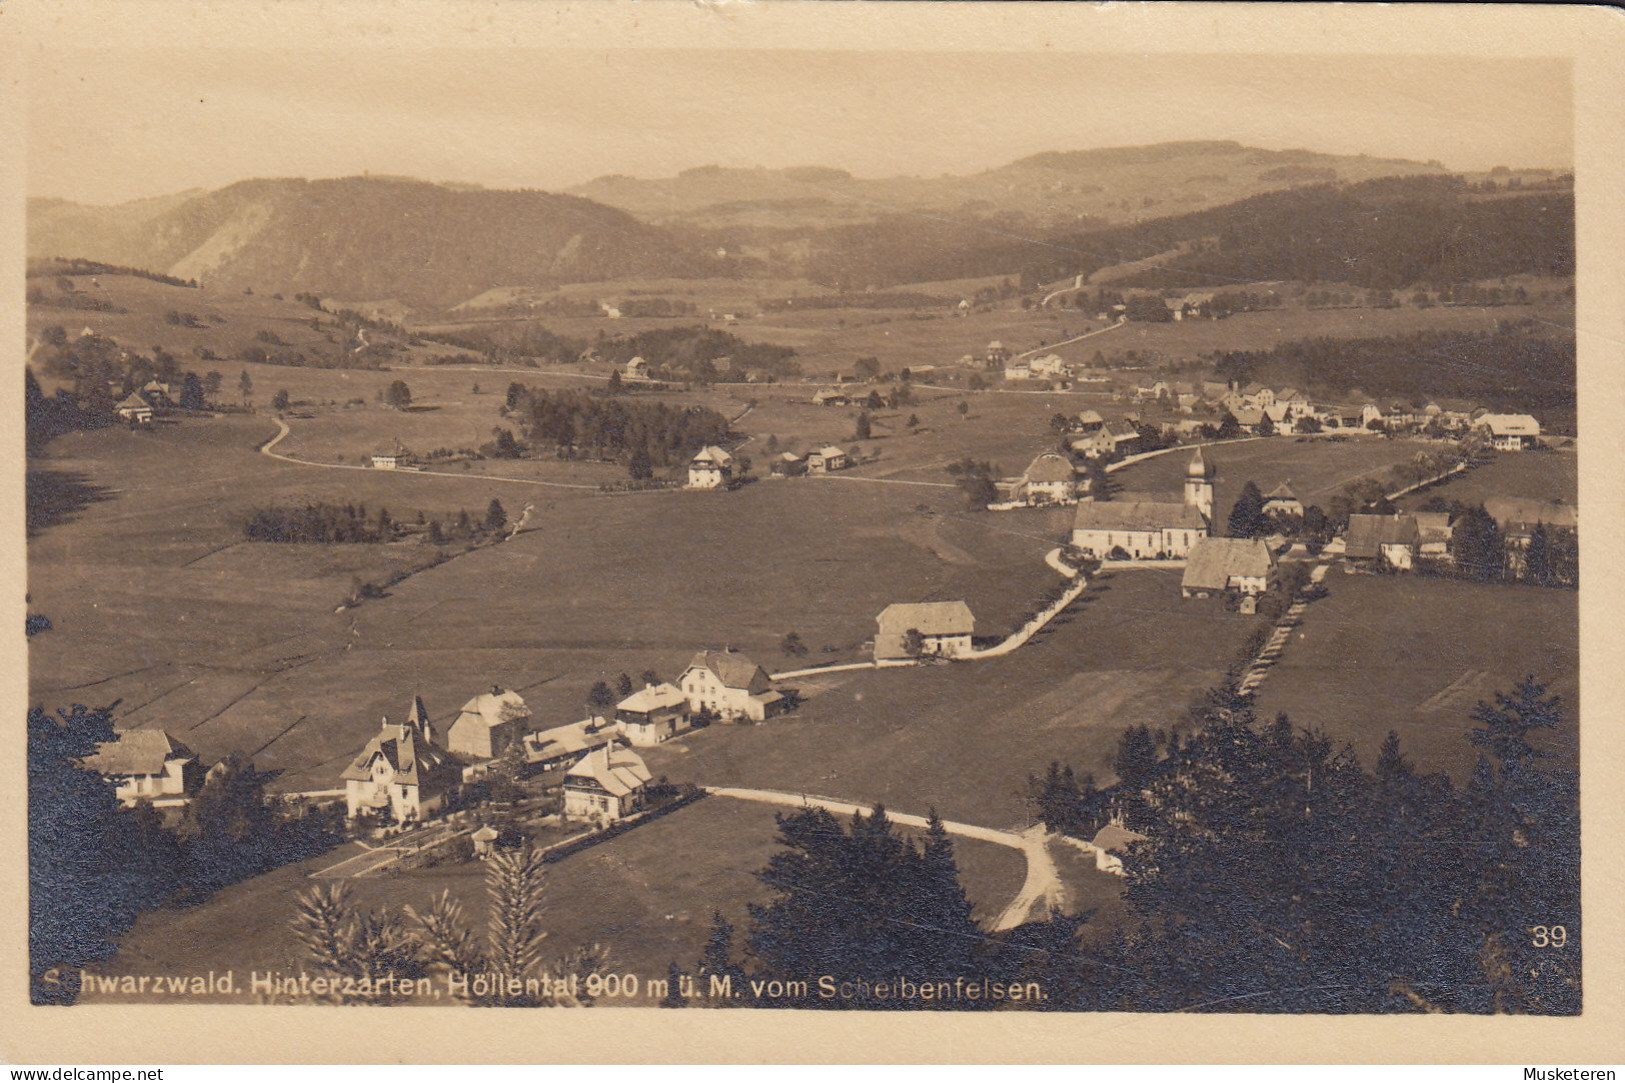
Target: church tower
1199	485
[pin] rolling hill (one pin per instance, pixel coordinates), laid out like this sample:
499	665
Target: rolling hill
1108	185
360	237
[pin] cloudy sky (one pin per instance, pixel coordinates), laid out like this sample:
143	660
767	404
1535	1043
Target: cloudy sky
110	125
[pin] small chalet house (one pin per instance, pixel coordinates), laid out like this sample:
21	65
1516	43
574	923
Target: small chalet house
146	765
831	397
1510	432
788	465
488	725
711	468
1391	539
1220	565
1281	500
1049	366
401	772
637	369
1049	479
608	784
997	354
135	409
654	713
1090	420
827	460
729	684
944	629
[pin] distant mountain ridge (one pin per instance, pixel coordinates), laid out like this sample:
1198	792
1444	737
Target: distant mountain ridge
364	237
1108	185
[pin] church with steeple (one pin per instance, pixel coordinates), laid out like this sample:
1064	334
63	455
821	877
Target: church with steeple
1148	526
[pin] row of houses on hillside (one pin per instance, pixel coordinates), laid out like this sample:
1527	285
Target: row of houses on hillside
1401	540
409	772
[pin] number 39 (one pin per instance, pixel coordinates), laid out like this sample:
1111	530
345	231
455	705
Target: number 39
1548	936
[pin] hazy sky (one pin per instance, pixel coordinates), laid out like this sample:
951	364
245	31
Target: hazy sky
107	126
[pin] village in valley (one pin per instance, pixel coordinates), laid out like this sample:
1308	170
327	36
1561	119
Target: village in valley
359	591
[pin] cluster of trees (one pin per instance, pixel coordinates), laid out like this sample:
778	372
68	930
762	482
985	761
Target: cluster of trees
692	353
94	867
881	299
1520	365
655	434
656	306
1481	552
322	523
517	343
853	901
976	481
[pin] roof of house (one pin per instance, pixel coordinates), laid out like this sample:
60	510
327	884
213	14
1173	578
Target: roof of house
1367	534
620	771
1510	424
713	454
1213	562
409	753
133	401
733	669
1091	417
567	740
927	618
136	752
1122	430
1254	388
830	452
1432	525
1247	415
1512	509
1050	466
1115	837
654	697
486	834
789	457
1282	491
1129	513
494	708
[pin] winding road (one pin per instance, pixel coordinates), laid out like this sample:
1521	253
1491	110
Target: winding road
283	430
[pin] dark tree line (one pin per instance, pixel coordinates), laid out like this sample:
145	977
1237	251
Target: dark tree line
616	427
1382	234
1520	366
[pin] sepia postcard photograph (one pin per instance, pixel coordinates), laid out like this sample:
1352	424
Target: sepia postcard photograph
777	509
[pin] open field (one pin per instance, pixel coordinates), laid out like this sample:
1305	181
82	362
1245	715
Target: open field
722	294
1262	330
1535	476
1415	654
647	895
229	322
236	646
1315	468
963	737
